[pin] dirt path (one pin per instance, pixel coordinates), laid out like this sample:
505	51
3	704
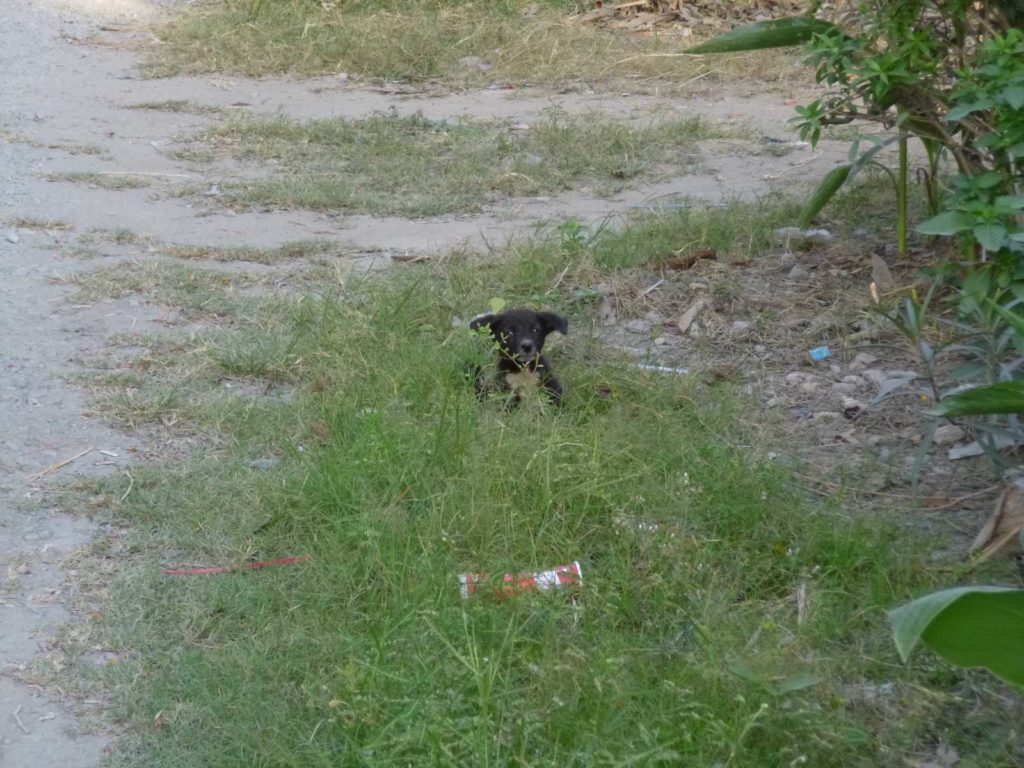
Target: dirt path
64	106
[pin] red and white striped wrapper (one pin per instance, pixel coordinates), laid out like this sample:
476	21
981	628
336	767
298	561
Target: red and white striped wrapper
559	577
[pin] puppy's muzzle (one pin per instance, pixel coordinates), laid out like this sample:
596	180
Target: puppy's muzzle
526	353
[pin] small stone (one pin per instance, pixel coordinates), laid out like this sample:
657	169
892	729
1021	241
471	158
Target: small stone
947	433
835	370
810	386
12	237
795	378
862	361
267	463
342	77
740	327
760	349
637	326
787	260
842	388
474	62
799	274
884	455
875	376
788	236
818	236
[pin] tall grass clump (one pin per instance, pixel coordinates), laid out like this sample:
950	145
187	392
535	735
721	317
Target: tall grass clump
413	166
461	43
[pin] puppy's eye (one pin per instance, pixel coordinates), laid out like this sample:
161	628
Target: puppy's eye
535	330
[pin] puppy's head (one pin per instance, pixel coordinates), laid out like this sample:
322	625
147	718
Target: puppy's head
520	333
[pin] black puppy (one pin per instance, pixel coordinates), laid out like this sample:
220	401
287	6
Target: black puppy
520	335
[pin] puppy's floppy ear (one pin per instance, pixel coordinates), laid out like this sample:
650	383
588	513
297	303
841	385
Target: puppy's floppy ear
553	322
481	320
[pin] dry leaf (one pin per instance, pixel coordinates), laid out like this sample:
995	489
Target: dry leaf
686	261
1001	534
880	274
686	319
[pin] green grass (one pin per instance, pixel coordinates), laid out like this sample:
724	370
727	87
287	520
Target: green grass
299	249
388	164
685	647
200	292
178	105
35	222
102	180
520	42
736	231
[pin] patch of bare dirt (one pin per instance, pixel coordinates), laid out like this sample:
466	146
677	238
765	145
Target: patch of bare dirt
852	421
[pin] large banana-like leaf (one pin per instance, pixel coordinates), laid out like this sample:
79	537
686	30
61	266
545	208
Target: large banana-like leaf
969	626
833	180
775	33
1004	397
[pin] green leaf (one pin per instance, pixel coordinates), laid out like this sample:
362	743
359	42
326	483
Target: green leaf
1012	319
1014	96
833	180
776	33
947	223
1004	397
798	682
1011	201
963	110
991	236
969	626
967	371
986	180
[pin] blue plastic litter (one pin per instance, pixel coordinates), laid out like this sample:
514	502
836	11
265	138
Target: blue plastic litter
820	353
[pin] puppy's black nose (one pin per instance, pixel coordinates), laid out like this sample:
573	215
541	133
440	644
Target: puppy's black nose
526	347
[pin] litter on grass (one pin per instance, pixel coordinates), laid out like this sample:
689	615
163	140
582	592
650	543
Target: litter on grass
559	577
662	369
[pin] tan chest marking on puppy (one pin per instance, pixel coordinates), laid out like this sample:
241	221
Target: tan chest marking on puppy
522	379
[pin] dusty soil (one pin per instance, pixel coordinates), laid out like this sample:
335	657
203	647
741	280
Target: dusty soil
70	78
